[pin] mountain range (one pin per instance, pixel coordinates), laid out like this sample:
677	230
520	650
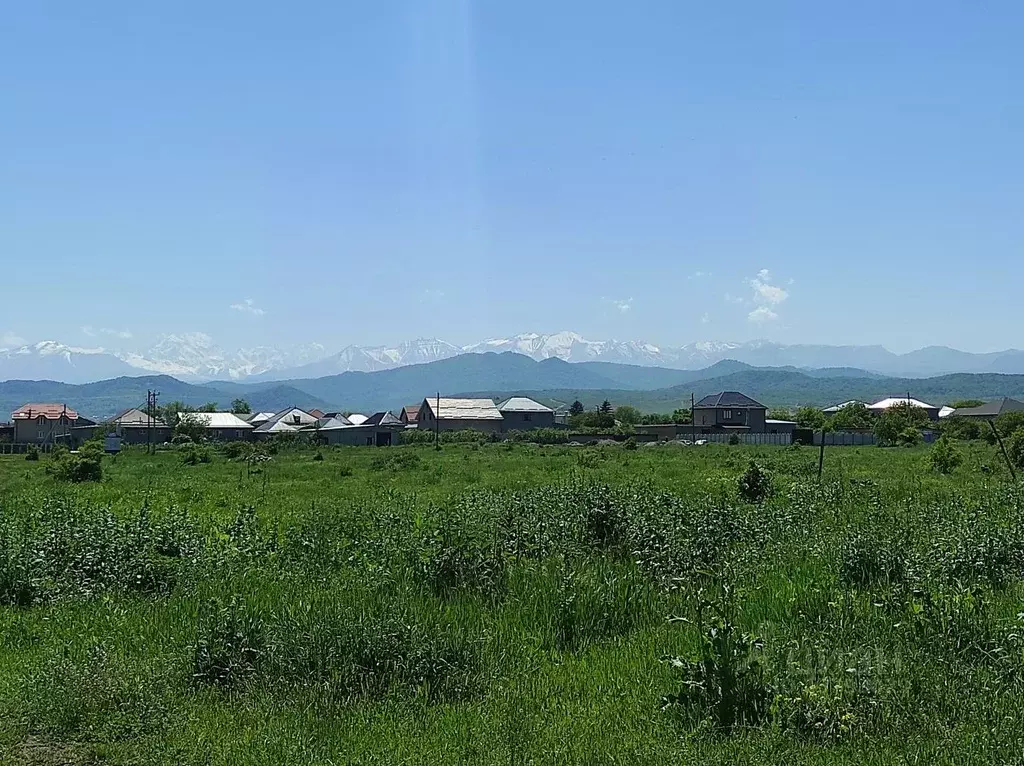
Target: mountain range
552	380
195	357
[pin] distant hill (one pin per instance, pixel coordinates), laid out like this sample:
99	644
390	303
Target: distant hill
553	380
107	397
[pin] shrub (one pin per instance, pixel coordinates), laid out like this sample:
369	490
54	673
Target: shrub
235	450
724	682
84	465
193	454
629	444
944	457
32	453
734	439
318	457
756	484
396	460
1015	448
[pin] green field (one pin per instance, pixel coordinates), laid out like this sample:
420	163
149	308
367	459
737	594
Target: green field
513	604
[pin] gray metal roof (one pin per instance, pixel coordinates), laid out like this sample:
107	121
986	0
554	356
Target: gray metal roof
292	417
991	409
522	404
383	419
463	409
732	399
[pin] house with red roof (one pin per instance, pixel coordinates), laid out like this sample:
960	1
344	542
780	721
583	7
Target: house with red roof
45	423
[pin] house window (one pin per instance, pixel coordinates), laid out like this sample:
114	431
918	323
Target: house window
369	441
41	420
527	417
727	414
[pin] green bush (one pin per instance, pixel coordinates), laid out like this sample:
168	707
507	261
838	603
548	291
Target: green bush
84	465
1015	448
944	457
734	439
32	453
755	485
193	454
540	436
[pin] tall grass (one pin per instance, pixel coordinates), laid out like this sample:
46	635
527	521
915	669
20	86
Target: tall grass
502	603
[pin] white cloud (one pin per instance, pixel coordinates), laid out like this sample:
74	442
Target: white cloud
765	293
88	330
705	318
123	334
764	275
248	306
699	274
729	298
623	305
762	314
9	339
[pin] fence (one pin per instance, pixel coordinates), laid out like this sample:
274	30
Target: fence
777	440
845	439
7	448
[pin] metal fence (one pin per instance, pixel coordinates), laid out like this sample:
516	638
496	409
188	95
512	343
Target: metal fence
778	440
845	439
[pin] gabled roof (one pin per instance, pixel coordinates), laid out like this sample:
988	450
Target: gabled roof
215	419
47	410
410	411
382	419
316	413
330	424
895	401
991	409
731	399
257	417
462	409
356	419
288	419
522	404
133	416
837	407
945	411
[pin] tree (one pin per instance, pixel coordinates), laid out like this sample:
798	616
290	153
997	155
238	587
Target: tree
1015	448
628	414
779	413
606	407
957	427
209	407
851	417
944	457
810	417
191	425
965	403
576	408
900	424
241	407
169	412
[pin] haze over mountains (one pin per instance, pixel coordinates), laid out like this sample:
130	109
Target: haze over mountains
553	381
196	357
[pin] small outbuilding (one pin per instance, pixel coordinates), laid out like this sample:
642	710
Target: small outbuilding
220	426
520	413
451	414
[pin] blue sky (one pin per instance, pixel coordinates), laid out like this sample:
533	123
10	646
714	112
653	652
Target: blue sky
366	173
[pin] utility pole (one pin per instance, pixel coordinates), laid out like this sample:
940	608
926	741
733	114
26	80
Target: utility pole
1006	457
693	422
151	422
437	423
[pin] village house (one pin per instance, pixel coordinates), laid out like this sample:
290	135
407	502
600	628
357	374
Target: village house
409	414
45	423
220	426
990	409
288	420
450	414
381	429
521	413
729	411
132	426
899	401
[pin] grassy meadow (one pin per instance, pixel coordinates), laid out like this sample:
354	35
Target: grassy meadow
514	603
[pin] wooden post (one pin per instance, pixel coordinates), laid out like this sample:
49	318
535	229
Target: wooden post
693	423
437	423
821	455
1006	457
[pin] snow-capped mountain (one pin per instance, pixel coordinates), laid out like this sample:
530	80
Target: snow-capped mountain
195	356
372	359
190	356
